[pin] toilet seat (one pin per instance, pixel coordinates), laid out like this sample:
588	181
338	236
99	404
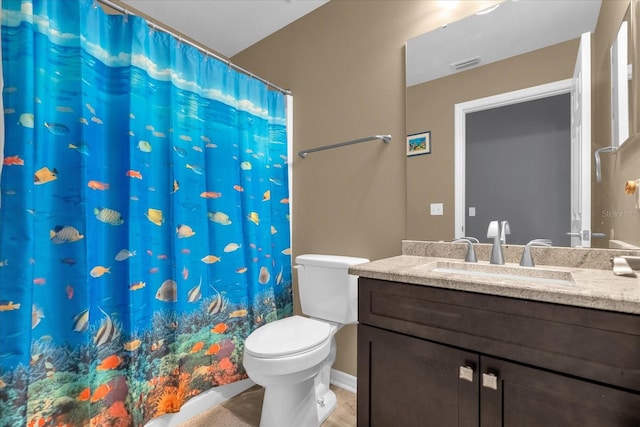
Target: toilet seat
286	337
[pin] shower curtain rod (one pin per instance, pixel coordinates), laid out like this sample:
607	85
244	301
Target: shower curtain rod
385	138
180	38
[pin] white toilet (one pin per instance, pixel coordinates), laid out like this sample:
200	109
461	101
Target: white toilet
292	357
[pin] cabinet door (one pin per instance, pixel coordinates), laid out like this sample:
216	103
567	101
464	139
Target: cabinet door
405	381
513	395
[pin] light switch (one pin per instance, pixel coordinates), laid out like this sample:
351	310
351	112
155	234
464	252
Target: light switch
472	211
437	209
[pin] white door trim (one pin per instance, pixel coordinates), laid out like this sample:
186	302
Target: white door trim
581	146
460	112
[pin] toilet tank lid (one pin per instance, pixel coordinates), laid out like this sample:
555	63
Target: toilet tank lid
336	261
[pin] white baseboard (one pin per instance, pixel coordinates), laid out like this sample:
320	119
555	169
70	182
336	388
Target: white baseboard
344	381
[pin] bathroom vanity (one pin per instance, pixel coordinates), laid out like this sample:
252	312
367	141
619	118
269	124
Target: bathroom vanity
439	345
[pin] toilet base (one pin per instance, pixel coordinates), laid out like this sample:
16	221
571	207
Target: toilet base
296	405
326	405
290	405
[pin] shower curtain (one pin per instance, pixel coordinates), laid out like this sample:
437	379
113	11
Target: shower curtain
144	217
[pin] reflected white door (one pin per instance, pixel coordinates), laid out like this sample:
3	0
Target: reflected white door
581	146
496	101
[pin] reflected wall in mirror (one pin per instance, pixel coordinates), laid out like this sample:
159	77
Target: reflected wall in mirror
618	213
430	107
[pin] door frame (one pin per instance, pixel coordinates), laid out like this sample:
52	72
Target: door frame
460	133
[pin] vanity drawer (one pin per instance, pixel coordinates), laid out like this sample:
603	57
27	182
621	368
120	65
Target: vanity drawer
593	344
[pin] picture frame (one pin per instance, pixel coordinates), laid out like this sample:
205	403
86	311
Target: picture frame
419	143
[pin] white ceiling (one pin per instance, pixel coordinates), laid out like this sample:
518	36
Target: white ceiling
514	28
517	26
226	26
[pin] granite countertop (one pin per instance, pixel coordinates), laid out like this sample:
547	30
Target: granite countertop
576	286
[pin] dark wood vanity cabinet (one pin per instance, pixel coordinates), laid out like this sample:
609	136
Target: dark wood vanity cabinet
437	357
413	382
527	396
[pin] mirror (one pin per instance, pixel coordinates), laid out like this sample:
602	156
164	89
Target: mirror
634	68
478	58
620	85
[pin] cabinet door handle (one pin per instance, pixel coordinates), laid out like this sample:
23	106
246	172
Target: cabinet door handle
490	381
466	373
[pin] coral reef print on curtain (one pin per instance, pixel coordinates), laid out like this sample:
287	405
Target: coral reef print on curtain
144	223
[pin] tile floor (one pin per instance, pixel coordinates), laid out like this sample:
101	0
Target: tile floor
244	411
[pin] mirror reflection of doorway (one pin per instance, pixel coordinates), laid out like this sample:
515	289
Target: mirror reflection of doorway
517	168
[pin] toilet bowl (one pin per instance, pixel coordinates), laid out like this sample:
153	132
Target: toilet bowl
285	357
292	357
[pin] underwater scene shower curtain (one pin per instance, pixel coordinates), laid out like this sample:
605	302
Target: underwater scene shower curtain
144	217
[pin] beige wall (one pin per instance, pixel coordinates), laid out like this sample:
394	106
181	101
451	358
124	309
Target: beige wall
345	65
430	106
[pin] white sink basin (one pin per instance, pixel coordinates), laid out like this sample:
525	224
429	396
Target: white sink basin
505	272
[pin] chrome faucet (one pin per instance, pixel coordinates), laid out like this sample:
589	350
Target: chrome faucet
527	258
504	230
471	254
493	232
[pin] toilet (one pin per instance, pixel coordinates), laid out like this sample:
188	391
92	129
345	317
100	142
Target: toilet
292	357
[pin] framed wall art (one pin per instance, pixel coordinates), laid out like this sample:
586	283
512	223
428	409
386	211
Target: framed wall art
419	143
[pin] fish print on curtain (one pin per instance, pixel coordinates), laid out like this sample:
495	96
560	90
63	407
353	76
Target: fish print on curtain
144	223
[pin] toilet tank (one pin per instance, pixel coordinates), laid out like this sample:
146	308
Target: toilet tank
327	291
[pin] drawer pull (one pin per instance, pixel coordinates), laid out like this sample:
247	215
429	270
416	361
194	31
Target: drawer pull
490	381
466	373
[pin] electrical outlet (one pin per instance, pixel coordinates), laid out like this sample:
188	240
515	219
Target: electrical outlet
437	209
